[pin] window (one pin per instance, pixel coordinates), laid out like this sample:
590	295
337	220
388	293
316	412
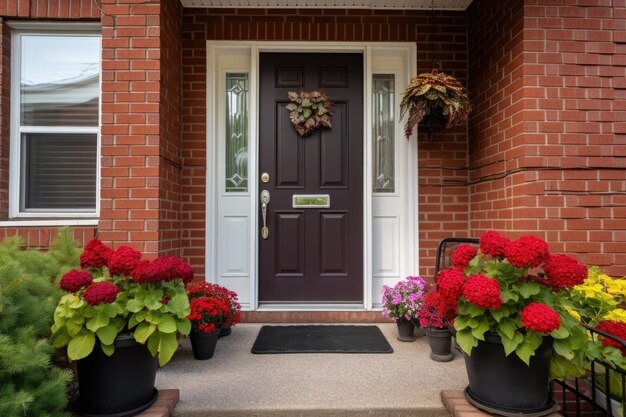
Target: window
55	118
236	132
383	152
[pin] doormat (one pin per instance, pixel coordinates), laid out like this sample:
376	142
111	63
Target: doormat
321	339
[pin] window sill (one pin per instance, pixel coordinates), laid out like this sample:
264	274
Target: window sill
56	222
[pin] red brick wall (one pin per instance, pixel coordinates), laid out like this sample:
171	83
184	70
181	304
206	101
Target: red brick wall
548	146
443	190
496	127
170	89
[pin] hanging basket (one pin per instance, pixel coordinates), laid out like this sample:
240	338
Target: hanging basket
436	99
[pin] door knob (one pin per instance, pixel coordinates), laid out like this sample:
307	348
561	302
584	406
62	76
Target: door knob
265	200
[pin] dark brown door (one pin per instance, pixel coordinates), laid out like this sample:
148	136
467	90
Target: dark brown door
312	254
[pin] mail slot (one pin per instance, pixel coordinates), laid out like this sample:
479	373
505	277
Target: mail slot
311	201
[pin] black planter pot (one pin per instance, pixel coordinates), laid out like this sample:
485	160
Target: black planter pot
203	344
406	330
440	341
225	331
118	385
505	385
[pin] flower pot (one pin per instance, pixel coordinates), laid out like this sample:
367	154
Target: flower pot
118	385
225	331
439	341
505	385
406	330
203	344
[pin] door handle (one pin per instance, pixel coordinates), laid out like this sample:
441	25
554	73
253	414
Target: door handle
265	200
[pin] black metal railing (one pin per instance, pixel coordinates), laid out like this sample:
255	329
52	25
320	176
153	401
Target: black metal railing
602	392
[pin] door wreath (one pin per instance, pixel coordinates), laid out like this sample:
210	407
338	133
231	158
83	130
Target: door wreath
309	111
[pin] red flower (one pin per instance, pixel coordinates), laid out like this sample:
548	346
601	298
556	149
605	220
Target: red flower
614	328
540	318
493	243
123	260
207	289
183	270
429	315
527	251
167	268
74	280
449	287
462	256
101	292
563	271
95	255
483	292
206	311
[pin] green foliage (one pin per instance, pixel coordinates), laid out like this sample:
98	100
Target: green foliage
31	384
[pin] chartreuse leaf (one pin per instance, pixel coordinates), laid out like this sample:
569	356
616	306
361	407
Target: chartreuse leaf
509	344
474	266
562	348
466	340
479	330
107	349
107	334
527	348
184	326
180	304
134	305
98	321
153	343
61	339
153	299
507	328
167	347
81	346
143	332
528	289
561	333
461	322
167	324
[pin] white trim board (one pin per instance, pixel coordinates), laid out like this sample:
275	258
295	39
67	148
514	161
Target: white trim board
239	270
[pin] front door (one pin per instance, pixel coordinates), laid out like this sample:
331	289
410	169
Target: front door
313	249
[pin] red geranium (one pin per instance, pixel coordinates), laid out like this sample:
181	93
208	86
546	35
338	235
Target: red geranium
493	243
483	292
123	260
563	271
527	251
449	287
462	256
429	314
208	289
181	269
74	280
95	255
101	292
208	313
166	268
540	318
614	328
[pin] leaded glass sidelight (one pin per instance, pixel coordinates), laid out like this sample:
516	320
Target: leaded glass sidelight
236	132
383	166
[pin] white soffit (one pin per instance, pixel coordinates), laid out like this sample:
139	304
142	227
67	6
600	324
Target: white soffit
458	5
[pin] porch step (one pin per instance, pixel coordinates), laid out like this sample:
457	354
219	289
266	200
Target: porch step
458	406
236	382
312	317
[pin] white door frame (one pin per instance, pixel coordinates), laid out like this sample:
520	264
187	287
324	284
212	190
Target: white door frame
249	52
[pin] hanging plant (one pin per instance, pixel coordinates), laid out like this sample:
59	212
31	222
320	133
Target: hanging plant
435	98
309	111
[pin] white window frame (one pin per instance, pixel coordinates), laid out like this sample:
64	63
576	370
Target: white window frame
53	29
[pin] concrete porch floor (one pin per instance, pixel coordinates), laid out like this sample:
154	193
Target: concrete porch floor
236	382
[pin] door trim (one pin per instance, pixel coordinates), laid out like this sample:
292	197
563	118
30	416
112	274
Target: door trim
251	51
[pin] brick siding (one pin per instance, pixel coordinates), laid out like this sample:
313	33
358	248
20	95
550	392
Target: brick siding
547	147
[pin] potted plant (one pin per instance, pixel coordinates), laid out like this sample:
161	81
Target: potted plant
401	303
435	326
208	315
509	305
436	99
207	289
120	315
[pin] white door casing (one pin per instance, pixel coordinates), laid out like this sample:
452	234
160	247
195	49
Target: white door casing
390	244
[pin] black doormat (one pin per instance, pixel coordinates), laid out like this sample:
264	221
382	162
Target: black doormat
321	339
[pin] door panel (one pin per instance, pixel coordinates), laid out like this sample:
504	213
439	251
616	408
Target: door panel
312	254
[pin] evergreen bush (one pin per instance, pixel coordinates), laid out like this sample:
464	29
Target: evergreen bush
31	385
